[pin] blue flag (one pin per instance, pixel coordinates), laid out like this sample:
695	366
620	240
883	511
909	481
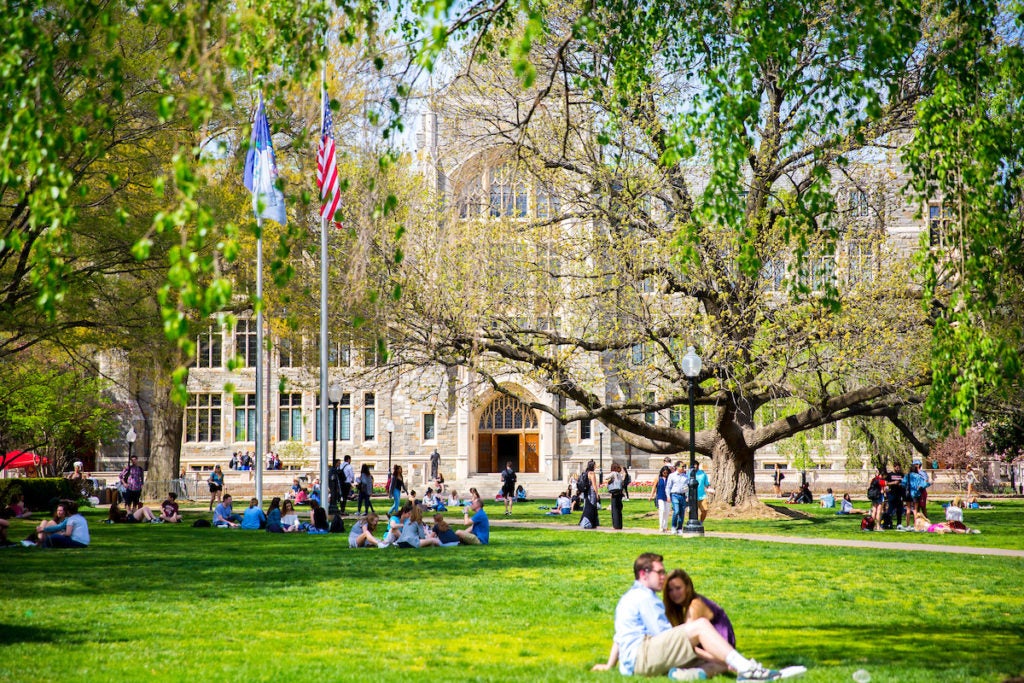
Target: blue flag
261	171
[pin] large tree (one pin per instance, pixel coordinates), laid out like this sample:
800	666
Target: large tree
728	179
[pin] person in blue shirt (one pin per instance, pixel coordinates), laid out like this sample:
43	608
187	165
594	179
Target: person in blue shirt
253	517
703	488
828	500
478	527
649	645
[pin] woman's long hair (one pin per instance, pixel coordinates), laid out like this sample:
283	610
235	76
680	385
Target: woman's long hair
676	613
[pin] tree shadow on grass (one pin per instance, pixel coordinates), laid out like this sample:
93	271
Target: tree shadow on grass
21	633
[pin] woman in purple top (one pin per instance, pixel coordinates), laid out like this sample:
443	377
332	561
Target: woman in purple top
683	604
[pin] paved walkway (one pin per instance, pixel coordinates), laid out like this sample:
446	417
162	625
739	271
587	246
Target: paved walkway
794	540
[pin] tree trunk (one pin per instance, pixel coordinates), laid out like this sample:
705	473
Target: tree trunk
164	418
732	476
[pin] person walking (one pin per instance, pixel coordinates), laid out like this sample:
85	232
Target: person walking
659	494
347	478
587	486
508	487
676	485
216	484
364	504
615	487
396	489
703	489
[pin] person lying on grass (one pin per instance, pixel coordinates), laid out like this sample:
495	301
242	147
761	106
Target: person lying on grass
683	604
116	515
846	507
650	646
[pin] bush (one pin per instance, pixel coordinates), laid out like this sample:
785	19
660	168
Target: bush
40	494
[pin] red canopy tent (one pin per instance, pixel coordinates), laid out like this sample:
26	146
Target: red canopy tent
22	459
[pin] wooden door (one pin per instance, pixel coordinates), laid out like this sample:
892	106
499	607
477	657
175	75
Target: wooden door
485	453
532	447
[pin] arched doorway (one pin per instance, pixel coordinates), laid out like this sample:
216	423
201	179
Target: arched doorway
508	431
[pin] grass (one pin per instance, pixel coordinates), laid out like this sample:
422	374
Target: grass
1000	527
149	602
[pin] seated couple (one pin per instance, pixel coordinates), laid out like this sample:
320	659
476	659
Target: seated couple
648	644
563	506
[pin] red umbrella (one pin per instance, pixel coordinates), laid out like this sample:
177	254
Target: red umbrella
22	459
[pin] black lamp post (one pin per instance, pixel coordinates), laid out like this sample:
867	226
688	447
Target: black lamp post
333	398
390	427
130	438
600	452
691	365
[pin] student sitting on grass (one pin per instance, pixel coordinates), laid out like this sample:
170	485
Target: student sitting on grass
75	533
649	645
683	604
846	507
58	523
445	534
361	535
223	517
16	508
274	516
289	518
169	509
828	500
563	506
115	515
253	518
414	533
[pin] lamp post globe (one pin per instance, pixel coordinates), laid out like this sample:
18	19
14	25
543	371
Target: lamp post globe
130	437
691	366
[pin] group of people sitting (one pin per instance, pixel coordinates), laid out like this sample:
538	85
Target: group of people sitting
67	529
169	513
917	520
406	528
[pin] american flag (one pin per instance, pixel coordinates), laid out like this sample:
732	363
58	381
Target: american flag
327	166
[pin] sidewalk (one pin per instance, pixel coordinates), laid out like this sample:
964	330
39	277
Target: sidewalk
794	540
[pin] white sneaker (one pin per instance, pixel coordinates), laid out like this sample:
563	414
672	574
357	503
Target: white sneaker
696	674
756	672
28	544
792	672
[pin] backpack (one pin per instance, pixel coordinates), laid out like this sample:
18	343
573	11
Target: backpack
627	480
583	483
867	524
337	525
201	524
874	490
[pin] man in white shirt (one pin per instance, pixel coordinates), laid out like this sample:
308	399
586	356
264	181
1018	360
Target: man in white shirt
675	487
650	646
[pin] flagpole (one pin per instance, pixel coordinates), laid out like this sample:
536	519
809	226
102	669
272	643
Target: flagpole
324	402
259	360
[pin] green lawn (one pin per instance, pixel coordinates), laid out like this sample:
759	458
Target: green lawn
161	602
1001	527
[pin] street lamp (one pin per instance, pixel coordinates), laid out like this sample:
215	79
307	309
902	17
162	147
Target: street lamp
130	438
333	398
691	365
600	452
390	427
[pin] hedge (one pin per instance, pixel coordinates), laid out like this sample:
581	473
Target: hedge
40	494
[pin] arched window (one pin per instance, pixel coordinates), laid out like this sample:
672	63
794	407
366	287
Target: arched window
507	412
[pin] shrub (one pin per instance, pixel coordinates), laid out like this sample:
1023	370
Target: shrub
40	494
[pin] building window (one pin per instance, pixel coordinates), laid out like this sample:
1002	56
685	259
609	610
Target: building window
202	417
369	417
820	273
429	431
773	272
675	418
345	417
585	430
290	353
331	421
860	203
508	194
548	203
860	262
245	417
208	349
939	221
650	417
245	342
289	424
637	354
